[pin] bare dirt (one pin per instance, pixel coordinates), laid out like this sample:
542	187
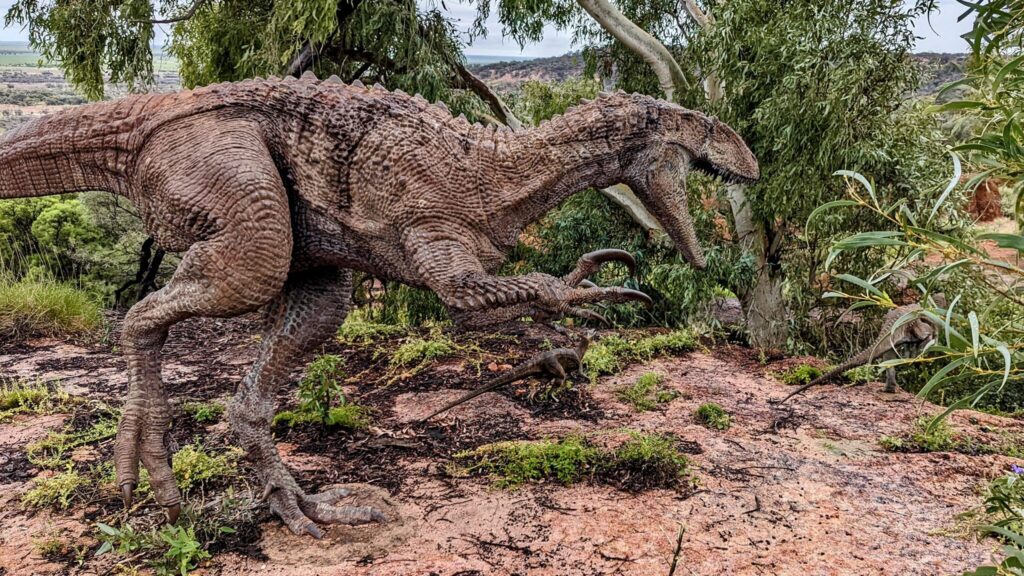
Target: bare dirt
799	489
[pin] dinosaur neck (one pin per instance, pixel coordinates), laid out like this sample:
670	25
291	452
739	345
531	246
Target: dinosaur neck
590	146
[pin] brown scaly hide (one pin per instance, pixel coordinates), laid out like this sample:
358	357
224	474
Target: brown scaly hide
985	203
276	190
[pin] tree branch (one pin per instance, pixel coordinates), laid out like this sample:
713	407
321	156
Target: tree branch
640	42
187	15
483	91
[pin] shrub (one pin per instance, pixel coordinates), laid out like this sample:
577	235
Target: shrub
714	416
30	308
320	388
928	435
647	460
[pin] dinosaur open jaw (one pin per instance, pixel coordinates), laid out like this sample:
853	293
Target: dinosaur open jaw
730	177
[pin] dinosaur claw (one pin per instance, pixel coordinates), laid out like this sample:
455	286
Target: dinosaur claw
587	284
266	492
637	295
173	511
612	255
313	531
588	315
126	493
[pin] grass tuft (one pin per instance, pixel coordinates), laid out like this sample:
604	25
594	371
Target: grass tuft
193	465
646	393
647	461
419	351
714	416
940	438
32	308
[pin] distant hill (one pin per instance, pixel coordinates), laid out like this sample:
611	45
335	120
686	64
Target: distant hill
937	70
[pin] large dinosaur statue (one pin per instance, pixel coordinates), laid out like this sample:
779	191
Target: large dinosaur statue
275	190
905	340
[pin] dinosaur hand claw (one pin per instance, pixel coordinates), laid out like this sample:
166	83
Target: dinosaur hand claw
173	512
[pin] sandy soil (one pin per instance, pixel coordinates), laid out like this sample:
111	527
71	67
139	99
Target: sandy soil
801	489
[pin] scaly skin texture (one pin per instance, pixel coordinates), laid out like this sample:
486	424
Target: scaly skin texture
907	340
556	364
275	190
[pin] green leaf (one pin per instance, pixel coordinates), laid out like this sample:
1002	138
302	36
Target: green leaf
1015	241
957	105
107	529
103	549
829	206
859	178
1010	535
867	286
949	188
1005	71
940	376
973	319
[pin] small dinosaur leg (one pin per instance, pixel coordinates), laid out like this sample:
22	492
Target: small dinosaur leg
309	311
890	380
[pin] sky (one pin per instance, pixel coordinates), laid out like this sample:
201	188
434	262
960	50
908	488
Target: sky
942	36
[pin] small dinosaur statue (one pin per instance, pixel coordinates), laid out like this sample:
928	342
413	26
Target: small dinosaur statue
908	339
275	190
557	363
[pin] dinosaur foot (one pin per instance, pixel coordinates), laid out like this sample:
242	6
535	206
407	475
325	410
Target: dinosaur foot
303	512
139	440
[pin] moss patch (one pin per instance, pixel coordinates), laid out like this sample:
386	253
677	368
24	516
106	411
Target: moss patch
799	375
612	353
647	393
24	398
713	416
204	412
59	490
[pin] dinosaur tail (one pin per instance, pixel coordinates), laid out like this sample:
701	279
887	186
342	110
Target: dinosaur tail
510	376
75	150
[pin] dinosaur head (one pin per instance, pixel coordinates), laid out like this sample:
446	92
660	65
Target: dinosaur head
688	140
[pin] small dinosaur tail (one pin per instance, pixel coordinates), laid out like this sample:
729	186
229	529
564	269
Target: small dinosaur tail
517	373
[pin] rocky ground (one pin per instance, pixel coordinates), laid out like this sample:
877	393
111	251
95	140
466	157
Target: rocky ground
799	489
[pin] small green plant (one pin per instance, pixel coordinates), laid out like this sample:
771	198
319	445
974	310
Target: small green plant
928	435
31	308
320	389
204	412
612	353
348	416
25	398
184	551
646	393
513	464
59	490
193	465
51	451
121	541
419	351
799	375
55	547
358	329
714	416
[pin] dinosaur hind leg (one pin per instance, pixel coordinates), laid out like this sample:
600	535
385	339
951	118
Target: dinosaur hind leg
313	305
240	268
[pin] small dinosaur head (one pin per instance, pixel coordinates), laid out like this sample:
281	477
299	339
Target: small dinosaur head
685	140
